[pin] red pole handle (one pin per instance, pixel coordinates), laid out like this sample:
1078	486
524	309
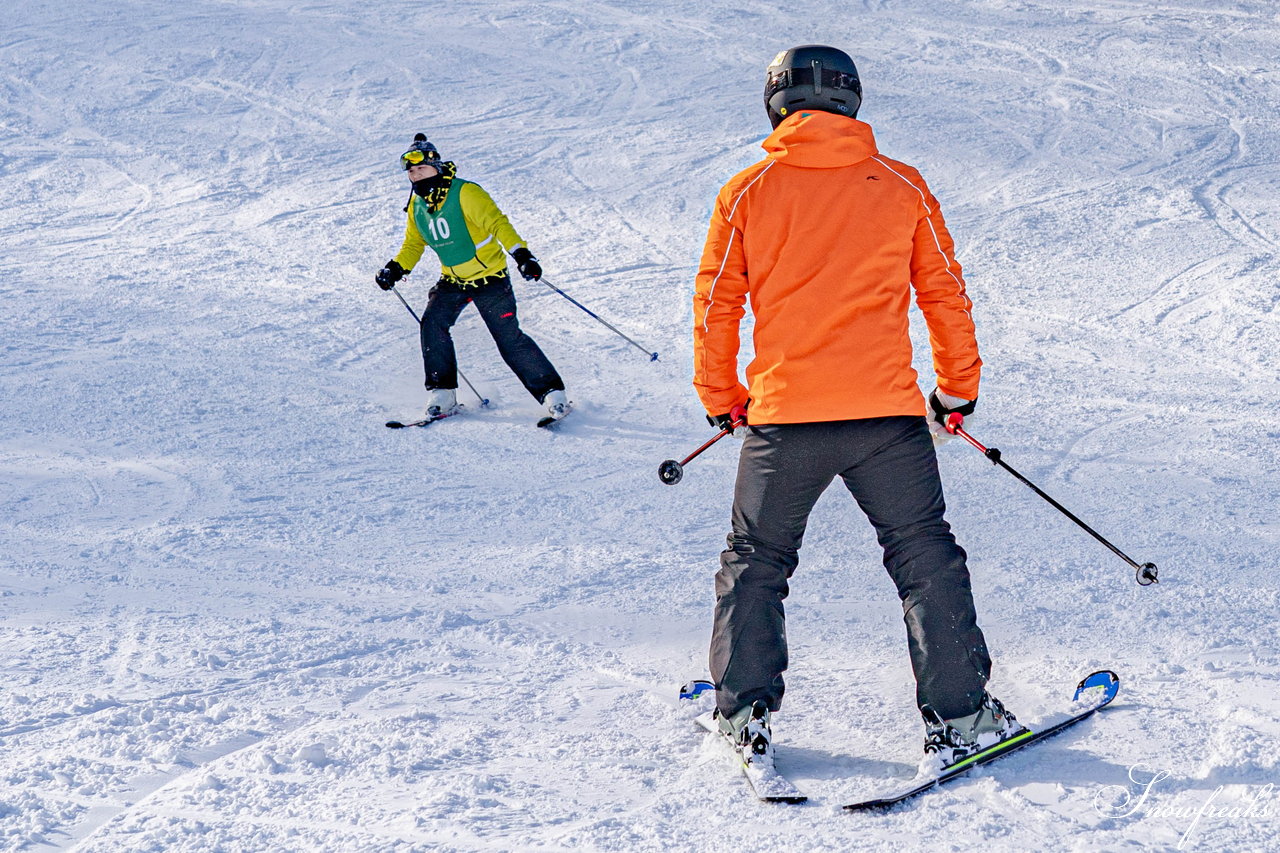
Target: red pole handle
954	420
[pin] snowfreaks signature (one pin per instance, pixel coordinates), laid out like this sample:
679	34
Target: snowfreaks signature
1116	801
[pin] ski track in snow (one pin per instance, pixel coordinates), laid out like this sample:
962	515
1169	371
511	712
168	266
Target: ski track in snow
238	614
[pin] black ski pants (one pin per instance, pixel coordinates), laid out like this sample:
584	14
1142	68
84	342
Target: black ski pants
497	306
889	466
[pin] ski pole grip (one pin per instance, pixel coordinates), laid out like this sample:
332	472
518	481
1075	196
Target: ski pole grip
954	420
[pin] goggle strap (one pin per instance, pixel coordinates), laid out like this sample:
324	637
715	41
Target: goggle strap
788	77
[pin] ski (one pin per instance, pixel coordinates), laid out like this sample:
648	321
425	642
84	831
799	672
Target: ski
1092	694
766	782
424	421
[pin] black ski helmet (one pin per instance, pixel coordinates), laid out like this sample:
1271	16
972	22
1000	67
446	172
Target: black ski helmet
811	77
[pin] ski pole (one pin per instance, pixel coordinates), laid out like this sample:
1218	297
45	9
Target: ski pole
1147	573
653	356
671	471
483	401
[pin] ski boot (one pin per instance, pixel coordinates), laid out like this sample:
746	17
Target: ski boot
750	733
948	742
442	402
557	405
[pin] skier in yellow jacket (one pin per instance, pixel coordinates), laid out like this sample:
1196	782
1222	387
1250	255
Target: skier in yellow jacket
468	232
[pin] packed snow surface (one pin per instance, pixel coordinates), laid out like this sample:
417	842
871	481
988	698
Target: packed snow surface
238	614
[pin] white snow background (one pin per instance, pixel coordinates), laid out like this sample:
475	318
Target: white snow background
238	614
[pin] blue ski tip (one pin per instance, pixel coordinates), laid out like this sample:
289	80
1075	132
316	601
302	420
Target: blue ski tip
1106	679
694	689
653	357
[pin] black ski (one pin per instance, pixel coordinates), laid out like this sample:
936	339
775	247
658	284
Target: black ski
1105	681
424	421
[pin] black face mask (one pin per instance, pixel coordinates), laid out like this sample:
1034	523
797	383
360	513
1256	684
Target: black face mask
426	185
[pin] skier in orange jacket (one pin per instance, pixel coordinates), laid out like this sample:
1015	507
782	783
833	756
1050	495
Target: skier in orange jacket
827	239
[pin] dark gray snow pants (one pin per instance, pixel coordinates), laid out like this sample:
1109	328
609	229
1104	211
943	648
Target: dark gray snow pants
889	466
497	306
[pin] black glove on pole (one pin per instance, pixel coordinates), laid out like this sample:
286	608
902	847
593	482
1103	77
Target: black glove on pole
731	420
1147	573
389	275
527	264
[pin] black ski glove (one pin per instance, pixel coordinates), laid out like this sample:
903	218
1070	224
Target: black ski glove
727	420
389	275
527	264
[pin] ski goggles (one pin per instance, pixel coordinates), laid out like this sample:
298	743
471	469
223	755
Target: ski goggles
418	157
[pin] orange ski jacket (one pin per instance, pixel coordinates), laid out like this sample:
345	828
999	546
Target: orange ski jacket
827	238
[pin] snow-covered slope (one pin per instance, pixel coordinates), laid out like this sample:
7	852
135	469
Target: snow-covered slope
236	613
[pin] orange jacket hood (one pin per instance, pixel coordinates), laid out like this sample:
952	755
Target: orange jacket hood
816	140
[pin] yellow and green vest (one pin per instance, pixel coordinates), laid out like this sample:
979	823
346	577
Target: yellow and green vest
468	233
